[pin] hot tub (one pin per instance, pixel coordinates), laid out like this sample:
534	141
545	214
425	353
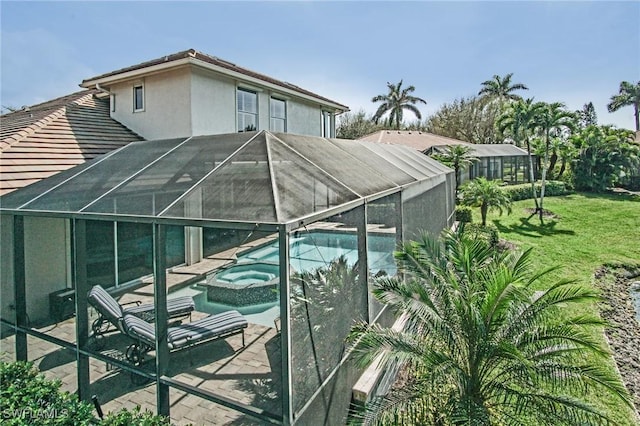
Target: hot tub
243	284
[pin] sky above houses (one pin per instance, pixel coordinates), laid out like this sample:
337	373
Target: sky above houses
574	52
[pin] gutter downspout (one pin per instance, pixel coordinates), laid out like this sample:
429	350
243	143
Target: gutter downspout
112	97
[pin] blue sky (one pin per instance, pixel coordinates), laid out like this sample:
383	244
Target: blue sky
573	52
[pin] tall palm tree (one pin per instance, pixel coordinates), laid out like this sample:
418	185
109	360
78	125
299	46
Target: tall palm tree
517	122
395	102
502	88
458	157
629	94
479	346
551	121
487	195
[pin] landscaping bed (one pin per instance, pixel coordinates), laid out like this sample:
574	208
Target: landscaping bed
623	335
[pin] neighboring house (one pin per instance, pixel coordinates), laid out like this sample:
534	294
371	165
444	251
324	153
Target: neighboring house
42	140
505	162
190	93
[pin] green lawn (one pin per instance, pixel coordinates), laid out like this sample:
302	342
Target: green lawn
588	231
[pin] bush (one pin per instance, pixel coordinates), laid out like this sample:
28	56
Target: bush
125	417
27	397
488	233
523	191
464	214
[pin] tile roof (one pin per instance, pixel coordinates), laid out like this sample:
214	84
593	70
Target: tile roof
423	142
213	60
42	140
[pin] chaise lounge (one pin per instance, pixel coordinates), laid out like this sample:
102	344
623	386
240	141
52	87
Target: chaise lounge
110	311
182	336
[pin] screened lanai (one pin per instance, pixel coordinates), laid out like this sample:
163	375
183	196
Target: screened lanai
286	231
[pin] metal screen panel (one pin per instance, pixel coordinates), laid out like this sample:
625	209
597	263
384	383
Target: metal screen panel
155	188
239	189
301	187
360	150
345	167
102	176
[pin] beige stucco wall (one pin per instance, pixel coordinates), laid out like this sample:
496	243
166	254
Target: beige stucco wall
167	105
6	268
46	246
304	118
193	101
213	104
47	264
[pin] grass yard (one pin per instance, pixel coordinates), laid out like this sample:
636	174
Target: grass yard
588	230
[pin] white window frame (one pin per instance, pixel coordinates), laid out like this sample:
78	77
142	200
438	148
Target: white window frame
327	124
239	111
272	117
135	106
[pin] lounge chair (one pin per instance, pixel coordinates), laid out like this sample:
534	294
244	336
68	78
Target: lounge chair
182	336
112	312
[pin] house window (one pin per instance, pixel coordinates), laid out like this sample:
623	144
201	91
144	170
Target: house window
327	125
138	98
278	109
247	111
113	102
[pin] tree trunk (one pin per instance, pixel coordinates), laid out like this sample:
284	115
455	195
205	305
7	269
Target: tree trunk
545	167
552	163
637	116
563	166
531	175
484	208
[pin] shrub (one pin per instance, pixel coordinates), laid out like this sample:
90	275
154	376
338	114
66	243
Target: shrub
136	417
488	233
27	397
523	191
464	214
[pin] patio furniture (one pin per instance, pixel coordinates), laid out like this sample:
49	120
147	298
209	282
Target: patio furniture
110	311
186	335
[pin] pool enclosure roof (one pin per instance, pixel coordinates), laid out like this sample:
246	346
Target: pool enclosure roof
256	177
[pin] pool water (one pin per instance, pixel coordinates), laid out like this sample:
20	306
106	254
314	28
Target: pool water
308	252
314	250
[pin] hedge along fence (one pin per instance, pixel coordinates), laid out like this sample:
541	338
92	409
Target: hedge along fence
523	191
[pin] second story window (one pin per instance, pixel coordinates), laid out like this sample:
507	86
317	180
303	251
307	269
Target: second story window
327	123
247	110
278	113
138	98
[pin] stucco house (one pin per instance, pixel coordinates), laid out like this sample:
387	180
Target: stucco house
504	162
190	93
190	177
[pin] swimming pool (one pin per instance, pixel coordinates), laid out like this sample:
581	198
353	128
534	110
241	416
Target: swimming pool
308	252
313	250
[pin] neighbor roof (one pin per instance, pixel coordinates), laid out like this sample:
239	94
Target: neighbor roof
42	140
425	142
255	177
195	57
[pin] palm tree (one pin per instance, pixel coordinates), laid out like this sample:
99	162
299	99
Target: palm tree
502	88
458	157
517	122
551	121
487	195
479	346
629	94
395	102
